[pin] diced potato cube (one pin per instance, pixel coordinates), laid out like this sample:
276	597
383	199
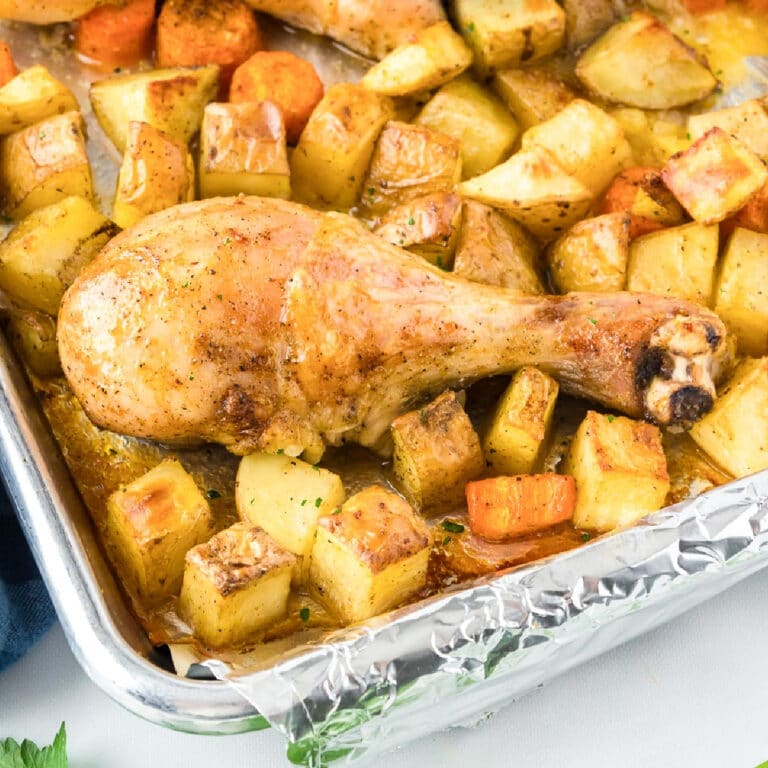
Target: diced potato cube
640	63
677	261
44	253
286	496
427	226
586	142
653	139
748	122
156	173
592	255
329	163
533	188
33	334
496	250
735	432
369	557
171	100
532	95
243	149
235	585
470	113
43	164
30	97
506	34
431	58
754	215
715	176
436	453
740	296
521	424
150	525
409	161
620	470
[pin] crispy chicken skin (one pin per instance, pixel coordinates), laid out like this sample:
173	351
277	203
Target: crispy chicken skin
262	324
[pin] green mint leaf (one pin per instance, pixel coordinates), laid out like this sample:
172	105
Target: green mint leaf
29	755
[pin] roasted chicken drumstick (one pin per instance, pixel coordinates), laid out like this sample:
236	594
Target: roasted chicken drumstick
262	324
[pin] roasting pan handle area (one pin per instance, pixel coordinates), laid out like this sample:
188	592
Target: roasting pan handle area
104	636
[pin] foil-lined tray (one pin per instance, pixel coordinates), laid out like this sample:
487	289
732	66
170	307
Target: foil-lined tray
448	660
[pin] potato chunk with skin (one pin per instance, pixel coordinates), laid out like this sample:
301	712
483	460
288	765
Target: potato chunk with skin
436	453
286	496
496	250
521	424
33	95
329	163
156	173
592	255
740	296
370	557
735	432
33	334
43	164
620	470
640	63
504	33
243	149
677	261
235	585
715	176
150	525
532	95
431	58
45	252
472	114
409	161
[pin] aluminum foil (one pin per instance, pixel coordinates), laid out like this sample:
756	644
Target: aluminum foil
458	657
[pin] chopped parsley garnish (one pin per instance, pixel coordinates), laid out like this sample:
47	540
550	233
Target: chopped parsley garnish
304	614
452	527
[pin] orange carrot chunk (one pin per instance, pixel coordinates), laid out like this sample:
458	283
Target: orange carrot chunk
283	78
504	507
8	68
195	32
703	6
116	35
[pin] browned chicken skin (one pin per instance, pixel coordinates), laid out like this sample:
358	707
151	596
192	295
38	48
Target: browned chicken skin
262	324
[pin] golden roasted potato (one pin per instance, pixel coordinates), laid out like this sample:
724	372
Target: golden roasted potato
370	557
48	12
586	141
150	525
677	261
409	161
156	173
735	432
521	426
592	255
740	296
748	122
329	163
652	138
235	584
586	19
533	95
715	176
33	334
509	34
496	250
45	252
638	62
30	97
432	57
620	470
43	164
427	226
436	453
170	100
286	496
533	188
472	114
243	149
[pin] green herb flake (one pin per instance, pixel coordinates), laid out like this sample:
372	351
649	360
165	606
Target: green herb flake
411	222
29	755
41	135
371	191
280	451
336	511
586	536
191	376
304	614
303	502
212	493
452	527
220	296
610	418
471	26
592	320
447	540
318	501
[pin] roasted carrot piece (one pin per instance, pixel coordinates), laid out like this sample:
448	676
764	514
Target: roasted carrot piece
702	6
504	507
116	35
283	78
761	6
7	65
192	32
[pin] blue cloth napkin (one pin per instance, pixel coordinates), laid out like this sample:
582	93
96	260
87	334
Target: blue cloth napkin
26	612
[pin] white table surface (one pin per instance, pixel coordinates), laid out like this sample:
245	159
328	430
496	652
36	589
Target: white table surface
692	693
